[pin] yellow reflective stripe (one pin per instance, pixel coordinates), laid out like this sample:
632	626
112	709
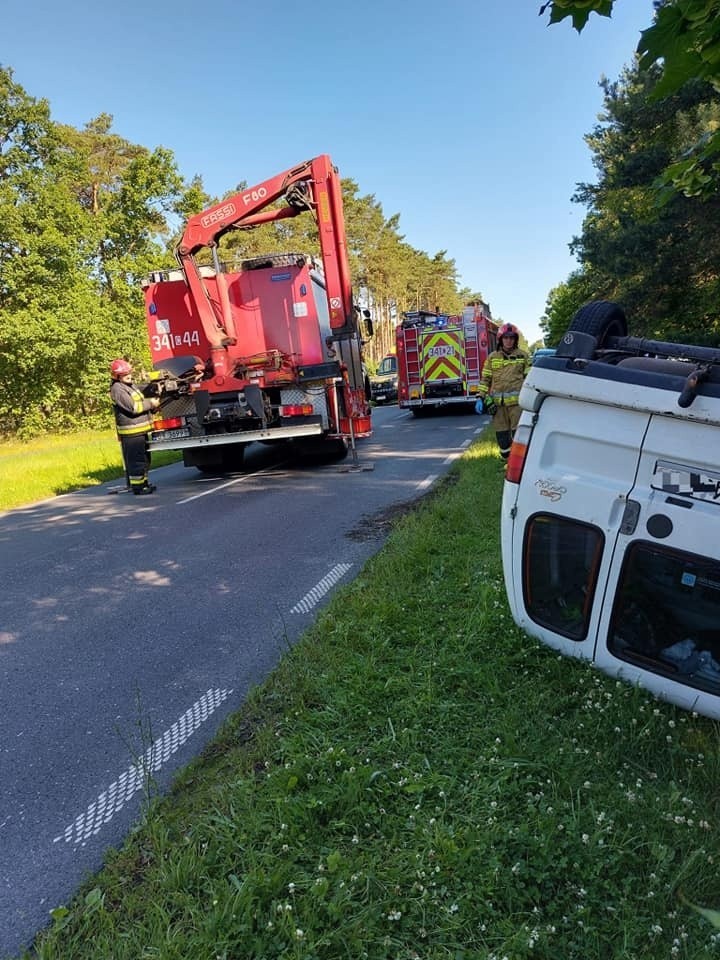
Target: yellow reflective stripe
131	431
138	406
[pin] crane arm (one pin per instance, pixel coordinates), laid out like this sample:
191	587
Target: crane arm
313	185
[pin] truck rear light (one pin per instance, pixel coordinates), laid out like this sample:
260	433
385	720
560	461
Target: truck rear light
518	453
171	423
296	410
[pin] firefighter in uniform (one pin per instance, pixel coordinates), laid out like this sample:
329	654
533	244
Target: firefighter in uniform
133	422
502	377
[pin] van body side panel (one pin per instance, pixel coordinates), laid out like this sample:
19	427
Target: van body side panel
580	468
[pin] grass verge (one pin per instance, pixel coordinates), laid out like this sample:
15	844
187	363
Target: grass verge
418	779
48	466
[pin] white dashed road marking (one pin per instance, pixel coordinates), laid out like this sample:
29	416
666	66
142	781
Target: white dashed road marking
319	590
427	482
112	800
230	483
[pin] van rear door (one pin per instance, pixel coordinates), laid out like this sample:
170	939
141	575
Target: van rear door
661	619
569	508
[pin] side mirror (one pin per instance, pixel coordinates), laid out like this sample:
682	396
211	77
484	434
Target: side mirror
368	322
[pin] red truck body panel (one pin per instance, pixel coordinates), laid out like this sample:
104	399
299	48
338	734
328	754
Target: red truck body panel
276	313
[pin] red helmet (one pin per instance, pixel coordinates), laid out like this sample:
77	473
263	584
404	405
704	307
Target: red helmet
508	330
120	368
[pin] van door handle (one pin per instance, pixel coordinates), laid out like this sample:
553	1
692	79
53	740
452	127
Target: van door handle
630	517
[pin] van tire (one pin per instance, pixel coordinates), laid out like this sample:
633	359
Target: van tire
601	319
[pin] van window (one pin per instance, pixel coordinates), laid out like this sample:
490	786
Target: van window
666	616
561	561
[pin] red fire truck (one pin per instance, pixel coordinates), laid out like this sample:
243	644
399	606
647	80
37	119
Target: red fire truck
440	357
270	349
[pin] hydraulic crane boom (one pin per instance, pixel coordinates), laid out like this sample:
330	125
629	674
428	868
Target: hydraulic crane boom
311	186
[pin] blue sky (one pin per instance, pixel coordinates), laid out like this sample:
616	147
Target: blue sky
465	117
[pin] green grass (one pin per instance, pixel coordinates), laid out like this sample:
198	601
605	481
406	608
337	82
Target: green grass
48	466
418	779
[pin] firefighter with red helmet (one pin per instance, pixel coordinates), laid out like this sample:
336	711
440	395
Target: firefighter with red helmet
133	421
502	377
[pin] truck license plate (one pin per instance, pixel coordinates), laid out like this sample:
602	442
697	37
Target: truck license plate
175	434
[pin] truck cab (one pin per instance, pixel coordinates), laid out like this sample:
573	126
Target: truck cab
384	382
611	508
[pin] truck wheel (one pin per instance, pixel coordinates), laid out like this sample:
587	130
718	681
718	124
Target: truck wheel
337	449
601	319
233	457
321	450
217	461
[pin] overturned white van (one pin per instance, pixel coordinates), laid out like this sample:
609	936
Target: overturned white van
611	507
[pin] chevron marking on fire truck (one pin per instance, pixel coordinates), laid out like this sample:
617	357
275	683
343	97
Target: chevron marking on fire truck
443	360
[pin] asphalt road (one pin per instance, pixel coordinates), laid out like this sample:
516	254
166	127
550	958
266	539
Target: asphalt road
130	628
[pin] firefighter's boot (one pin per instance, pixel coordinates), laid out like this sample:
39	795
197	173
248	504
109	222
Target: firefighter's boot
145	489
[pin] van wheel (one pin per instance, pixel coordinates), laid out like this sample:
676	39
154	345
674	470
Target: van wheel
601	319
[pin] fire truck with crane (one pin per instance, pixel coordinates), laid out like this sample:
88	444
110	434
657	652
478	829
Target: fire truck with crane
440	357
268	350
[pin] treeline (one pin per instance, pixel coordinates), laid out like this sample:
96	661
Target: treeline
85	215
651	236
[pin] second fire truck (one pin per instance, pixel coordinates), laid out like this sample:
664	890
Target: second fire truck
440	357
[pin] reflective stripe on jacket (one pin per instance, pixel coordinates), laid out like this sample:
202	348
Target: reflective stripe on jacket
131	409
503	375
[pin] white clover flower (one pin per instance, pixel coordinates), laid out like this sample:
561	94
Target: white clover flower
394	915
299	934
